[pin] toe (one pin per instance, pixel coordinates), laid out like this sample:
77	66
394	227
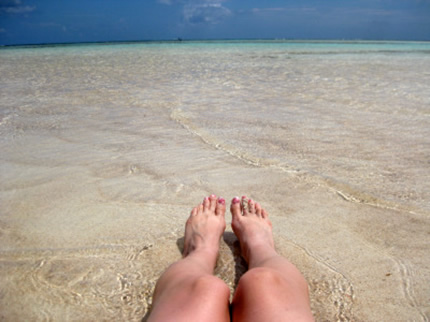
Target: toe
194	211
235	208
213	202
206	203
244	205
251	206
264	213
220	207
258	209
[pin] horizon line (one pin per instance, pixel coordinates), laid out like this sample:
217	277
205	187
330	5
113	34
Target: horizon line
180	40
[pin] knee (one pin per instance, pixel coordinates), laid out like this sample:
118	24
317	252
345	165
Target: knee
261	276
266	294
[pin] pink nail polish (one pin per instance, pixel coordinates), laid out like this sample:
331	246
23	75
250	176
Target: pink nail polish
243	197
221	201
213	196
205	199
236	200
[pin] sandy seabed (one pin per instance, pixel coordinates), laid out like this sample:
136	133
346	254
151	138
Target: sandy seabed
105	150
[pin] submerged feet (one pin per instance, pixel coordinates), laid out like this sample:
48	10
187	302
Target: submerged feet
250	223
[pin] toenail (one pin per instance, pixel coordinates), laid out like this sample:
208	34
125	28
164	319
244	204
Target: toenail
206	198
213	196
243	197
221	201
236	200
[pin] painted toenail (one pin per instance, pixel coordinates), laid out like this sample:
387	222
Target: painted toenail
213	196
221	201
243	197
236	200
206	199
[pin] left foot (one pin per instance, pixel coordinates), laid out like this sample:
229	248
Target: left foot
204	229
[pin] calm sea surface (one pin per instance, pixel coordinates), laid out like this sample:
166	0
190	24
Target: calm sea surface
355	115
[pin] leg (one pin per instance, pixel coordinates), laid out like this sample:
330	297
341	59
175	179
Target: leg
273	289
187	290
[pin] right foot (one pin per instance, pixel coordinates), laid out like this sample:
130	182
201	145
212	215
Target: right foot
253	228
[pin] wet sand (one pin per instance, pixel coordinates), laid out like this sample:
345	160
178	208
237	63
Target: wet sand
104	153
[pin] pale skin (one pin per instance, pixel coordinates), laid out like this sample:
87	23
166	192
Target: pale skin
272	289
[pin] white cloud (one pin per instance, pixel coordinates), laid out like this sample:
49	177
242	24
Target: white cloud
14	7
22	9
201	11
205	12
258	10
284	10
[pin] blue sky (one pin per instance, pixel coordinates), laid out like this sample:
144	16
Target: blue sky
58	21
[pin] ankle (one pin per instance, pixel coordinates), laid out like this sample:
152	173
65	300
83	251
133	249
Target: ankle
206	258
260	255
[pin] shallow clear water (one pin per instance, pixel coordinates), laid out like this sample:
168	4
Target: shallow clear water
105	148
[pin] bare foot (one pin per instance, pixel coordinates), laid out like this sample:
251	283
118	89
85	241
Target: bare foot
204	229
253	228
